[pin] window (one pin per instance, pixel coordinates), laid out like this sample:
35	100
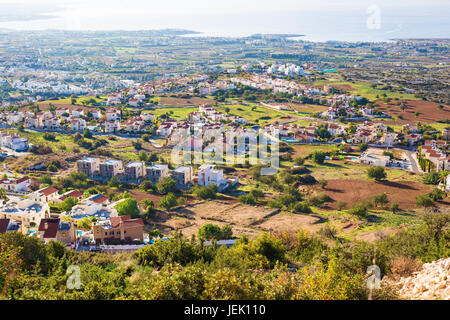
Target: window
106	233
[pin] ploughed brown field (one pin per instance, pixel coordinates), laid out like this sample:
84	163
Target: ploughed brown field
428	111
353	191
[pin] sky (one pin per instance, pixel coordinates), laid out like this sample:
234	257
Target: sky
329	18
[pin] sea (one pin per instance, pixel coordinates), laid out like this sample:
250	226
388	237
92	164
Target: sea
355	21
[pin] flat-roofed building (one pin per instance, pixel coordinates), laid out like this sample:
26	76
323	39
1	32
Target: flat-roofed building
89	166
111	168
157	172
183	176
134	171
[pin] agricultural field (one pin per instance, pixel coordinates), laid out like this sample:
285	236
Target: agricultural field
253	113
415	111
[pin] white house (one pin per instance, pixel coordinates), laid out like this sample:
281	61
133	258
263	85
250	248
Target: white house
48	194
374	159
15	185
77	124
208	174
111	126
113	115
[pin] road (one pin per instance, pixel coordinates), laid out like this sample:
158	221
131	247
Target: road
411	156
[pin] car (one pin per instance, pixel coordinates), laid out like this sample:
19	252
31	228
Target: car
95	249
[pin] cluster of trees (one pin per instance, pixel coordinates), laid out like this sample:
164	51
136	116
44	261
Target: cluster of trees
272	266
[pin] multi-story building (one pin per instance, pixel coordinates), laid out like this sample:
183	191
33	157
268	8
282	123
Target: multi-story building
89	166
111	168
113	115
156	172
134	171
183	176
119	228
208	174
77	124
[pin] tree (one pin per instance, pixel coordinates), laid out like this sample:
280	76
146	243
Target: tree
435	222
45	179
84	223
227	232
341	205
143	156
257	193
137	145
318	157
432	178
359	210
210	231
377	173
68	203
395	207
149	207
299	161
424	201
87	134
147	185
52	168
363	147
128	207
166	185
380	199
114	182
437	194
247	199
209	192
168	202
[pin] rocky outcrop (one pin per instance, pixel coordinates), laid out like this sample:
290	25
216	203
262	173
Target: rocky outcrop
430	283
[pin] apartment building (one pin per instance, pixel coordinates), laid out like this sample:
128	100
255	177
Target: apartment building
111	168
89	166
157	172
134	171
183	176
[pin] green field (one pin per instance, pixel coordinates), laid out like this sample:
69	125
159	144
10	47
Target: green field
365	90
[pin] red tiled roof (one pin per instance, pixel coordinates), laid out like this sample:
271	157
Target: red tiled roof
48	191
115	221
4	225
52	228
73	193
21	180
